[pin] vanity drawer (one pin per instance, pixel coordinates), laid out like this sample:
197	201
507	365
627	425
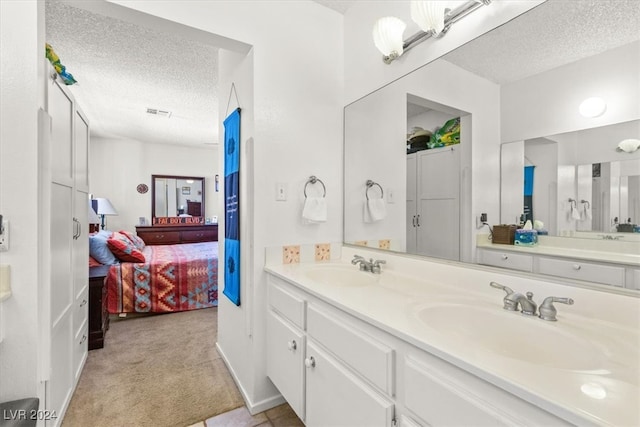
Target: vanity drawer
360	351
199	236
506	259
287	303
160	237
580	270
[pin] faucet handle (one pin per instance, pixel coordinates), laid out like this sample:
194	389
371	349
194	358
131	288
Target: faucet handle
375	265
548	311
496	285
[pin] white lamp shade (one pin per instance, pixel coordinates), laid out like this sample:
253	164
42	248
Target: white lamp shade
429	15
629	145
105	207
93	217
387	35
593	107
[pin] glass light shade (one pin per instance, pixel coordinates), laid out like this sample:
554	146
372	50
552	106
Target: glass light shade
429	15
629	145
387	35
593	107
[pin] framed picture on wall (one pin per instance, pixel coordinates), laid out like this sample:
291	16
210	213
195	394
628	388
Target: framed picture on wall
186	190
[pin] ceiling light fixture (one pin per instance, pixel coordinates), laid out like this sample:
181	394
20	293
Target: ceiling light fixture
433	18
592	107
629	145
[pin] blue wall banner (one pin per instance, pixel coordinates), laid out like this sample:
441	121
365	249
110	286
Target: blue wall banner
528	192
232	206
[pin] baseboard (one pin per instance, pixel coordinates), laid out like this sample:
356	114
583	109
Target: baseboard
252	407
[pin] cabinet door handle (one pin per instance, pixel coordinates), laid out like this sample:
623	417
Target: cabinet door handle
84	301
418	220
292	345
505	257
84	338
310	362
577	267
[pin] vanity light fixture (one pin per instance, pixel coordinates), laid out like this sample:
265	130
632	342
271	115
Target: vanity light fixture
433	18
592	107
629	145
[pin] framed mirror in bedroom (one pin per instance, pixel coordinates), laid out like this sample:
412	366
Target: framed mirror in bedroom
177	199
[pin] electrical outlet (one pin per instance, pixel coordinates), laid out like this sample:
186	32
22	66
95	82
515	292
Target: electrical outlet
481	220
4	237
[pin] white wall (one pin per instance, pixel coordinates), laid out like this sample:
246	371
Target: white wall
22	71
117	166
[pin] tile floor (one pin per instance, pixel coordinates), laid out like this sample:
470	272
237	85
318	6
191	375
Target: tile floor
280	416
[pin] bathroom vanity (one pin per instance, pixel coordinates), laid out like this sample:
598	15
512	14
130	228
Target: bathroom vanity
429	343
611	263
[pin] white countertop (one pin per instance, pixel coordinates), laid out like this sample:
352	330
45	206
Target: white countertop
4	295
558	390
584	249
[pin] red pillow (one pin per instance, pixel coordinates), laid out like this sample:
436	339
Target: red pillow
134	238
124	249
93	262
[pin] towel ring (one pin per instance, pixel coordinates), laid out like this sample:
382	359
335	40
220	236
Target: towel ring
371	184
574	204
312	180
587	202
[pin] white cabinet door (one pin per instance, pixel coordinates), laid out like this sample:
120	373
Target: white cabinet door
285	360
438	203
411	203
336	397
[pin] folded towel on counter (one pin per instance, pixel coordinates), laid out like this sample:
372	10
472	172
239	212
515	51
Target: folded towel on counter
374	210
315	210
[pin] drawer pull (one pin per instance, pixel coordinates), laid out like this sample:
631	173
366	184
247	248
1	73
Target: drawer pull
84	338
292	345
159	236
505	257
310	362
577	267
84	301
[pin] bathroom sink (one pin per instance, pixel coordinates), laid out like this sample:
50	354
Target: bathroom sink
513	335
339	275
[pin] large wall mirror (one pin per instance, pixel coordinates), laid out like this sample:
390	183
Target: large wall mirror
516	92
177	196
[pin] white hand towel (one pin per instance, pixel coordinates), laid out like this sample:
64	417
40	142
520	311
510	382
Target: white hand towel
575	214
586	212
315	210
374	210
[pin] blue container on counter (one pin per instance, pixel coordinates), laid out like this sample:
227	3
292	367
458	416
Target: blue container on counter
526	237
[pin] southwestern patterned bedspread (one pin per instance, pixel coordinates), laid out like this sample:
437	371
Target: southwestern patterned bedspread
173	278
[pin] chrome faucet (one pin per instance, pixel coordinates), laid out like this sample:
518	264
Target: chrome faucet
371	265
375	267
513	299
364	264
548	310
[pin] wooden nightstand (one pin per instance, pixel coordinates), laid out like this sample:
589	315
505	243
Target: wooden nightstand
98	314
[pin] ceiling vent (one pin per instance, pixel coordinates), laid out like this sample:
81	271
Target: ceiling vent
159	113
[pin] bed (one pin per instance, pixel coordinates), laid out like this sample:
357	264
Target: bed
160	278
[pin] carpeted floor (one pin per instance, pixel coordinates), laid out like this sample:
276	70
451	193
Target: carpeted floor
155	370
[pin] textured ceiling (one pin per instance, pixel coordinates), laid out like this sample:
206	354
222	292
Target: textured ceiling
122	69
555	33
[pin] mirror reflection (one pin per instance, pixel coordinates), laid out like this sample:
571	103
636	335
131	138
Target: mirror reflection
177	196
579	182
507	98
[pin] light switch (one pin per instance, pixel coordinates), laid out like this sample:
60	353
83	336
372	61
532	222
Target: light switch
390	196
281	192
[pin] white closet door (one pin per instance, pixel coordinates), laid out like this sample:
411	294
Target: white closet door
412	187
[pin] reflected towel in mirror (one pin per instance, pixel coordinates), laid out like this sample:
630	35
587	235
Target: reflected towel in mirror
374	210
586	212
315	210
575	214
